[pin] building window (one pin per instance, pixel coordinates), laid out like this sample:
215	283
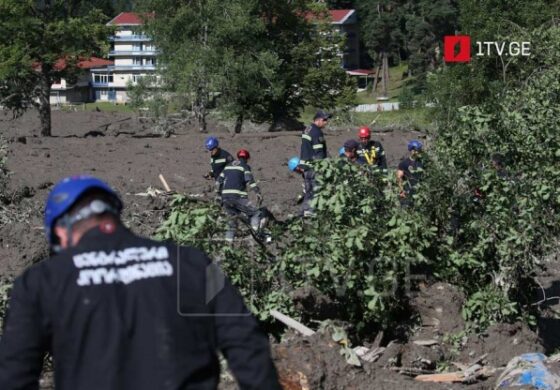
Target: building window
137	61
102	78
150	61
137	77
137	47
103	93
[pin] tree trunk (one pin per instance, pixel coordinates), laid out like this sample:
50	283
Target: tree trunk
385	79
44	106
376	80
239	123
200	114
200	107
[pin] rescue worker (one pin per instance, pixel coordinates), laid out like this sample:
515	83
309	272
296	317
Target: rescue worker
122	312
313	147
341	151
219	158
232	186
294	166
351	152
409	172
371	151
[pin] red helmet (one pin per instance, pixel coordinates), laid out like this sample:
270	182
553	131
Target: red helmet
243	153
364	132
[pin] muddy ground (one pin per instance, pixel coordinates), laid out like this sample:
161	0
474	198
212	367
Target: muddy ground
126	152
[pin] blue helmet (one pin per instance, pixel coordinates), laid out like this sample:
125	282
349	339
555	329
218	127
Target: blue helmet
211	143
293	163
414	145
341	151
66	192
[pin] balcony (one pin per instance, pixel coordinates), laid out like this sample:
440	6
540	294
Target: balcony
130	67
129	53
130	38
99	85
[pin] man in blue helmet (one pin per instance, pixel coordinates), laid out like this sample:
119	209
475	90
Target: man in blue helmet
219	157
313	147
119	312
232	186
294	166
409	172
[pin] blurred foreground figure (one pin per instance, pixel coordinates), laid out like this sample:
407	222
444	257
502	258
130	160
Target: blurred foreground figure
120	312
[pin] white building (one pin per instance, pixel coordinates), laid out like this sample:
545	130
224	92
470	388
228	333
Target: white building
63	92
134	57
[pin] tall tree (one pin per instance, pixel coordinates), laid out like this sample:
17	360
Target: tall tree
40	42
250	58
427	22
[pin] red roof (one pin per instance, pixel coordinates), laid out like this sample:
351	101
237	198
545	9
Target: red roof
360	72
338	15
94	62
129	18
89	63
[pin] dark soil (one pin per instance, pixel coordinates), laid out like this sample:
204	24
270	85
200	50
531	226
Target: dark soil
130	153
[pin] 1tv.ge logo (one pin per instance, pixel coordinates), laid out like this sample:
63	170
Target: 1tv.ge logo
457	48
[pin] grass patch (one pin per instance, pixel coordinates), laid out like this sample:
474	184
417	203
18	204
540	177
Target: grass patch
396	82
416	118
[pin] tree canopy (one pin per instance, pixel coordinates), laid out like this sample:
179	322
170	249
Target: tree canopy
254	60
41	42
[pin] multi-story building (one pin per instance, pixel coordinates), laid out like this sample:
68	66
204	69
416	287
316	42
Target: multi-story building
64	92
134	57
346	22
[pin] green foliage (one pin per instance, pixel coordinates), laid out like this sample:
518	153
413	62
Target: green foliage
34	37
252	60
488	307
471	224
408	30
147	97
406	99
485	79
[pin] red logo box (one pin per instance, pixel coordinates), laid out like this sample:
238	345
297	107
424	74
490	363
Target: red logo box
450	42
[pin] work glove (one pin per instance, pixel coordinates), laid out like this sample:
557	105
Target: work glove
209	176
259	199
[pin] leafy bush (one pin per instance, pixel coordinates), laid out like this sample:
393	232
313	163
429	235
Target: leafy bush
472	225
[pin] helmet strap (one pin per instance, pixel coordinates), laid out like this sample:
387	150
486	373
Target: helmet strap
96	207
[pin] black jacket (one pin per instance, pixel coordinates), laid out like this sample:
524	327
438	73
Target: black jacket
219	161
234	180
374	154
313	145
122	312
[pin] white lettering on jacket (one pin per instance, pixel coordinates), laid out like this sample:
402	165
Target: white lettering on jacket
115	267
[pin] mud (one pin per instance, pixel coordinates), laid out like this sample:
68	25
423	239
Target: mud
130	153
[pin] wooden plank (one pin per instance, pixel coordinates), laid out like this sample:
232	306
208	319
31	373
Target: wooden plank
304	330
164	182
447	377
